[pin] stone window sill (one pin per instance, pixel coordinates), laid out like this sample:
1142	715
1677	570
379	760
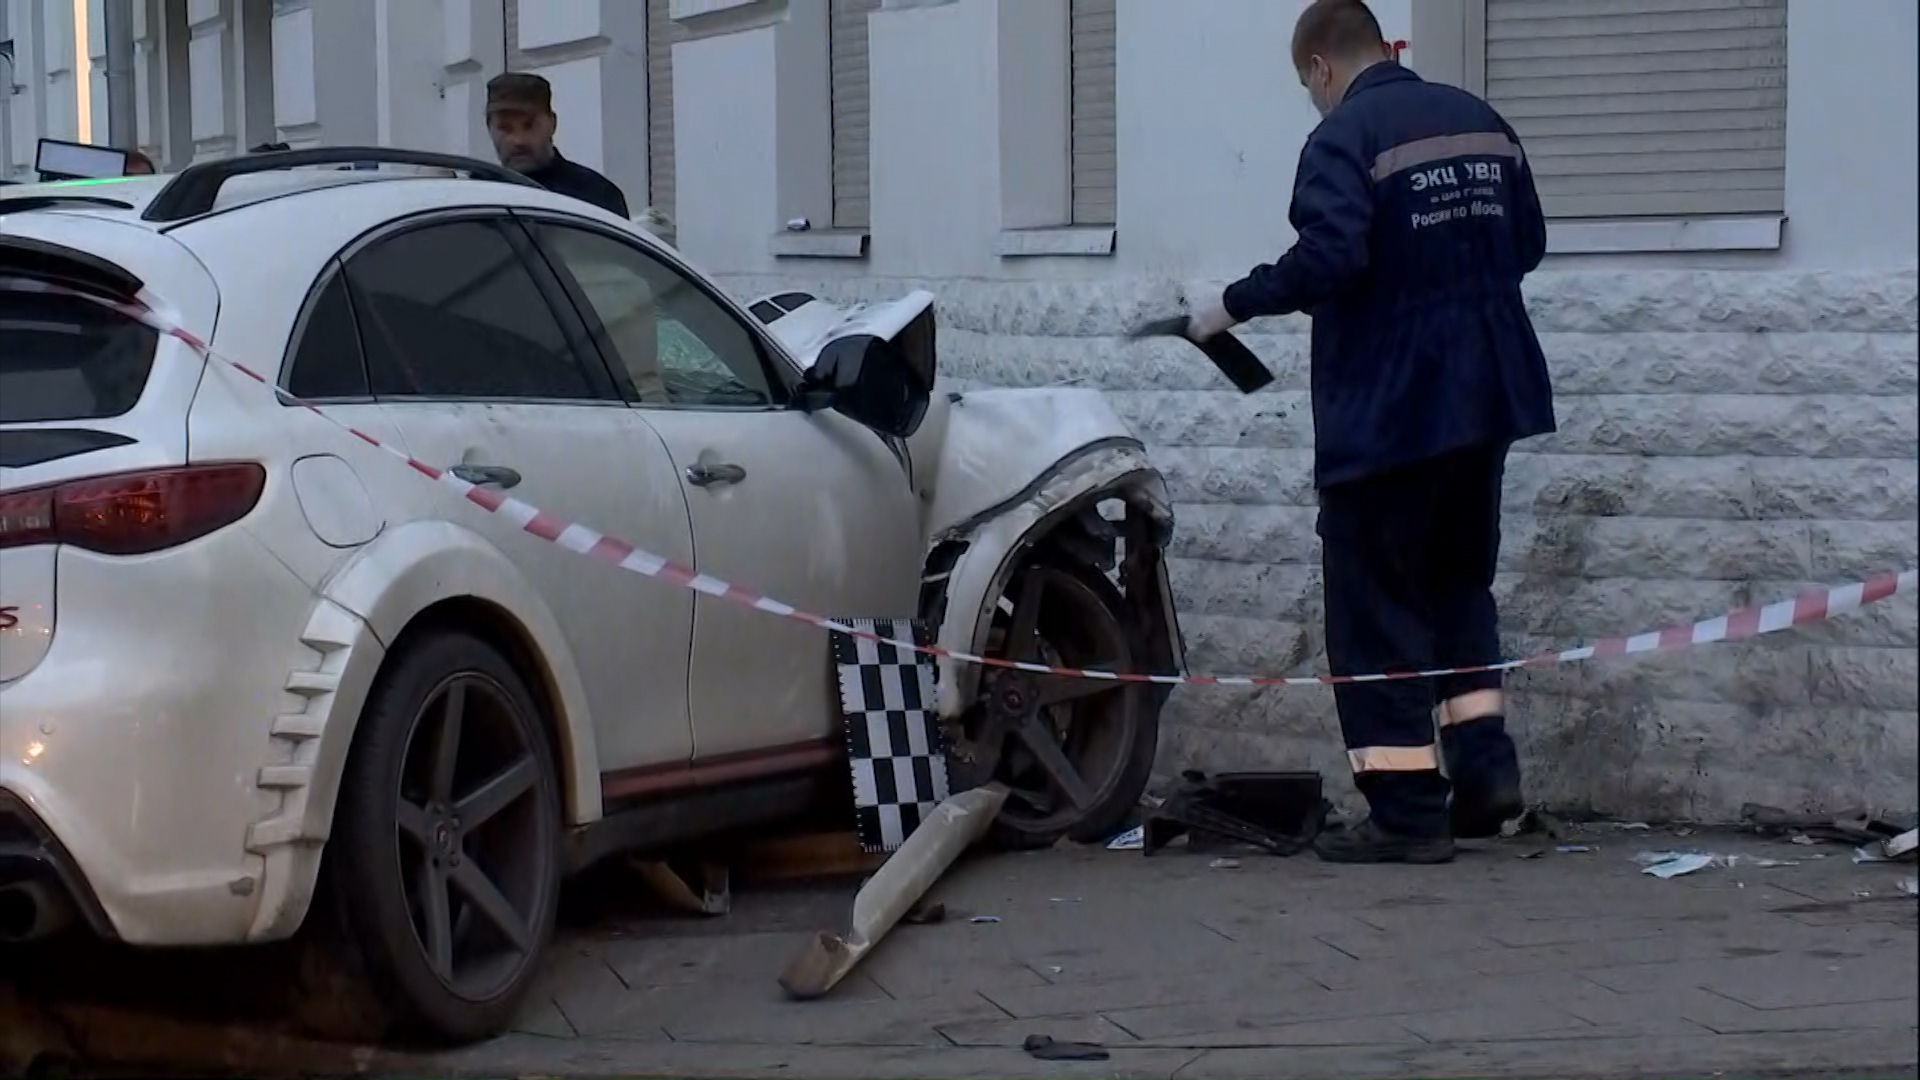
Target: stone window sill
1621	237
712	18
819	244
1075	240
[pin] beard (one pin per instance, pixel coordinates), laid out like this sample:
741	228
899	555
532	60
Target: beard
527	159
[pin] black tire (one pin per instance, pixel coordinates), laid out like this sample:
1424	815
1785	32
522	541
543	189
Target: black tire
1127	725
382	866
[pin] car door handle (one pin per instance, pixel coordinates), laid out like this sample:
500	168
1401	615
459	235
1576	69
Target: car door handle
708	475
497	475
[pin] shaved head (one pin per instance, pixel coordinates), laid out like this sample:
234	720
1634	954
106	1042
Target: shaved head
1334	41
1338	30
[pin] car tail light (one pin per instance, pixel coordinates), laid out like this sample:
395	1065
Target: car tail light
132	513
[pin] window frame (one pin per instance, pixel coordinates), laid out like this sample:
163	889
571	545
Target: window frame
334	270
578	342
780	369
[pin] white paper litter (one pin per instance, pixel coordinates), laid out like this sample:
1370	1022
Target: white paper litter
1671	864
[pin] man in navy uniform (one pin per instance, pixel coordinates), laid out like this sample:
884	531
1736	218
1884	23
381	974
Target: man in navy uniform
1417	218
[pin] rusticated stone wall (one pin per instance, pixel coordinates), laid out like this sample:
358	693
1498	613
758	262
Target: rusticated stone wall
1726	436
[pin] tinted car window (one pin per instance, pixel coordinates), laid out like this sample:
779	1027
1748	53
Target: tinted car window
677	344
64	358
327	362
451	311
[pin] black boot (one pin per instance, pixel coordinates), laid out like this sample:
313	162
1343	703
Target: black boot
1407	824
1485	770
1369	843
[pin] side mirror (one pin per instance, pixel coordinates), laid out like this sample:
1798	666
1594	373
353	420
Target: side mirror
867	378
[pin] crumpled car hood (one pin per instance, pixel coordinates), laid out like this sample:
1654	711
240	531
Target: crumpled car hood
807	329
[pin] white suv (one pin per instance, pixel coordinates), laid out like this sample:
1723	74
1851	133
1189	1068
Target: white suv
257	674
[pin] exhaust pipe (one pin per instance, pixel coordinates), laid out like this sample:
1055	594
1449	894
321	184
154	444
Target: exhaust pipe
31	911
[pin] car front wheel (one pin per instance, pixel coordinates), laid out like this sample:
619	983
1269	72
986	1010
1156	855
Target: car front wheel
445	855
1074	753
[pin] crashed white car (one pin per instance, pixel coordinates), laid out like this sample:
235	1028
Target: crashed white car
256	675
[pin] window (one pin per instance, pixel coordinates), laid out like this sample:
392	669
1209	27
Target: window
848	76
676	344
64	358
1091	31
450	310
327	361
1635	110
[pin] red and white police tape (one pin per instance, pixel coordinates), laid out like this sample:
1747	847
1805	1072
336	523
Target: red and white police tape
1809	607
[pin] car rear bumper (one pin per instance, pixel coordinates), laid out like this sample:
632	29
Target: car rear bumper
133	757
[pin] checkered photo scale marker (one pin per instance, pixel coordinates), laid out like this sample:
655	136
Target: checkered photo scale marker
893	736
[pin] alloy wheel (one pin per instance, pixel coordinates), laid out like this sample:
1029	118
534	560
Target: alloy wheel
1060	744
476	839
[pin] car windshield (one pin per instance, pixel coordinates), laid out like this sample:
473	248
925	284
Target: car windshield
66	358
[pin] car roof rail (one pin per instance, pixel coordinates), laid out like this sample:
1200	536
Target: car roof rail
194	191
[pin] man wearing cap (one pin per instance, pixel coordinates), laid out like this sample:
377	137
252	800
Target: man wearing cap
521	121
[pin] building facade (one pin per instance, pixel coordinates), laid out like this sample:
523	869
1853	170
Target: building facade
1729	305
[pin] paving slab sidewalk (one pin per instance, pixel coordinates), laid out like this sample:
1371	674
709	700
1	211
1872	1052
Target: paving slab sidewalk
1568	964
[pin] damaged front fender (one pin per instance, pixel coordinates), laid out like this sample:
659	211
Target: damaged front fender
1103	504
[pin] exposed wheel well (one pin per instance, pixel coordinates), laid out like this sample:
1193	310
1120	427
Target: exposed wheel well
492	624
1115	530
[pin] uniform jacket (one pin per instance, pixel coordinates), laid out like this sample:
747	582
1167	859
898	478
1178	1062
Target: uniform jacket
1417	218
575	180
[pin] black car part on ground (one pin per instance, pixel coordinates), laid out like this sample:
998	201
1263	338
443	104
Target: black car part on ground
1277	812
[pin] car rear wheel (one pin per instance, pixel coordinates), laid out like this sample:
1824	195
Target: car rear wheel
445	854
1075	753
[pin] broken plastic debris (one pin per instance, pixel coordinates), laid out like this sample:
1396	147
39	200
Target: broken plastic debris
1626	826
1047	1048
1133	839
1904	844
1669	864
1802	839
984	919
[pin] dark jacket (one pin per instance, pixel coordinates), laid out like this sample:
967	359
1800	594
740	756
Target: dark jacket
563	177
1417	217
